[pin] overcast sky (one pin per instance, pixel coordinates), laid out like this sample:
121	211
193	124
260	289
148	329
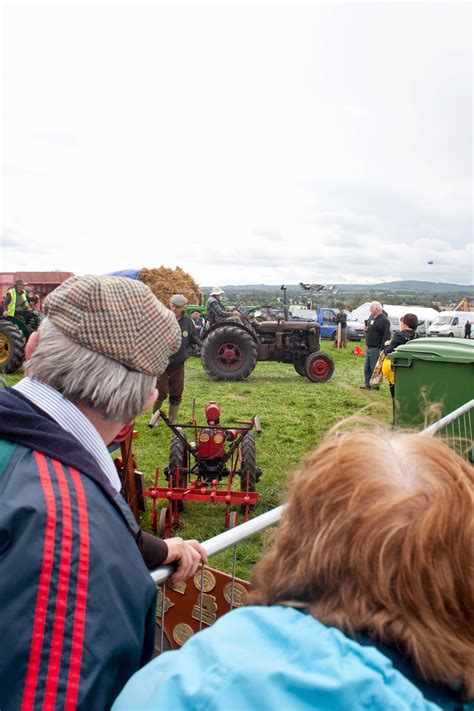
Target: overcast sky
244	142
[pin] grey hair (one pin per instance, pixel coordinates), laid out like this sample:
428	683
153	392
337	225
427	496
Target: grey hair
90	378
376	305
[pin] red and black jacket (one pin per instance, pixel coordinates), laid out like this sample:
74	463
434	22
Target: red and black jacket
77	604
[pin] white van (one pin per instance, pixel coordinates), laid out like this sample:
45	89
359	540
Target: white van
451	323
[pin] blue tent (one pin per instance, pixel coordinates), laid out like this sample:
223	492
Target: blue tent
130	273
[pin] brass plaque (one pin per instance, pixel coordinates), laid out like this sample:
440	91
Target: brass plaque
181	633
159	605
208	614
179	587
207	581
239	594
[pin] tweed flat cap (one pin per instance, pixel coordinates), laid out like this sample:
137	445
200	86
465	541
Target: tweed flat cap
179	300
117	317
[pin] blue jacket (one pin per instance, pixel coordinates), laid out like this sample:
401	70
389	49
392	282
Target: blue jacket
271	659
77	604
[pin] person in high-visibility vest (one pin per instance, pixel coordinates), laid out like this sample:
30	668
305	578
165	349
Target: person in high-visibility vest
16	301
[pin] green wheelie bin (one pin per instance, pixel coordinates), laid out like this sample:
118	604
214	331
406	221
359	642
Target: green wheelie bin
433	376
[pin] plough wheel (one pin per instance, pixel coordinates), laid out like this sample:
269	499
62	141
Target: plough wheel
249	463
165	522
178	460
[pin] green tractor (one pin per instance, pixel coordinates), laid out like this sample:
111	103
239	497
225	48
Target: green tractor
14	333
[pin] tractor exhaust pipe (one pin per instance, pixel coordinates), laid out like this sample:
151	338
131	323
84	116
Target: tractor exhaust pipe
285	302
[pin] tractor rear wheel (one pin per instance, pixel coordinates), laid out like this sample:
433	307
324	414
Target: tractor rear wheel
178	460
12	347
319	367
299	366
229	353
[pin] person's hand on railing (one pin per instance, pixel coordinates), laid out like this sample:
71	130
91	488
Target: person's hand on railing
187	555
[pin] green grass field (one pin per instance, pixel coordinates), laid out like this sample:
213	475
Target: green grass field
295	415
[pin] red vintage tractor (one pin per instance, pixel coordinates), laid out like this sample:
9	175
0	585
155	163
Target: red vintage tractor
200	457
232	347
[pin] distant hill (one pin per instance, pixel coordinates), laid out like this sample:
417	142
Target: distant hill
426	287
409	286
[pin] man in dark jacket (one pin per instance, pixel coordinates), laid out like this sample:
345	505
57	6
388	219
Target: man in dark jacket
341	318
77	601
171	382
377	332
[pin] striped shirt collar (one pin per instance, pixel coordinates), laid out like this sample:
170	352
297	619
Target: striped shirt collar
71	419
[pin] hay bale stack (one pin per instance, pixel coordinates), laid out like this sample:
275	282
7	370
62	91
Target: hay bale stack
165	282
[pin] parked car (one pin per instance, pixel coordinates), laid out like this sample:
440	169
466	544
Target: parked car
355	331
326	317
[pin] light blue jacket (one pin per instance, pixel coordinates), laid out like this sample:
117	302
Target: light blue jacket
271	659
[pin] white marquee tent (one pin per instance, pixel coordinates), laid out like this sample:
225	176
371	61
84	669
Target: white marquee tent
395	312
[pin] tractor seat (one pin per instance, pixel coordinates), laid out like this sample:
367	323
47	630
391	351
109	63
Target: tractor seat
275	326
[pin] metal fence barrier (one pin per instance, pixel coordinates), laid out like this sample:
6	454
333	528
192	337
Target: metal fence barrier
229	538
456	428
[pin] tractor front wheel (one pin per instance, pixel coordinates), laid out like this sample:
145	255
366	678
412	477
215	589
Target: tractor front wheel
12	347
229	353
319	367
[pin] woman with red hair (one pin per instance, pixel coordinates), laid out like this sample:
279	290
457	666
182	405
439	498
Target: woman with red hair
365	600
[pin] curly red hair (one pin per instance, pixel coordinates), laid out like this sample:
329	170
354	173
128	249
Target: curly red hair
378	537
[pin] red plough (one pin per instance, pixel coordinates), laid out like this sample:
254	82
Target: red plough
201	456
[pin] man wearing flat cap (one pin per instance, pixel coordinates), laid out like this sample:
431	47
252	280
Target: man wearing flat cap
78	603
171	382
16	301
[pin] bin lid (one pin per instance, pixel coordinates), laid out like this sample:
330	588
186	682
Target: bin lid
450	350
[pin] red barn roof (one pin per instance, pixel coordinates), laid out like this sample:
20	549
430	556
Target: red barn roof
41	278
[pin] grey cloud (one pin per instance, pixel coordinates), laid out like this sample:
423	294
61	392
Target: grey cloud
349	205
56	137
10	238
16	171
355	234
14	243
269	233
345	220
366	259
250	257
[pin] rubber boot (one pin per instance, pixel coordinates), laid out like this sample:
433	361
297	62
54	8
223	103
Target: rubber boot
173	414
392	393
157	405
